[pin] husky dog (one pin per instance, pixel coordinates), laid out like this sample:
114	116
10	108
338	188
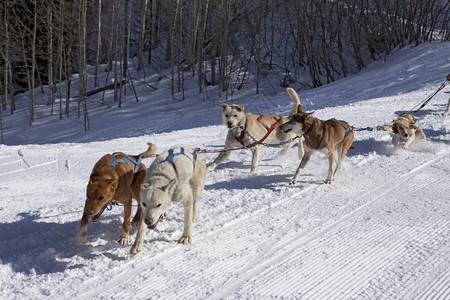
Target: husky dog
252	132
176	175
406	129
332	137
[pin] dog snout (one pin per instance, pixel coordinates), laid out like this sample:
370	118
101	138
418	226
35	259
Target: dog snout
148	221
229	124
89	212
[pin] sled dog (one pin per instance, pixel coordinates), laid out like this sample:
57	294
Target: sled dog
406	129
332	138
253	132
177	175
117	177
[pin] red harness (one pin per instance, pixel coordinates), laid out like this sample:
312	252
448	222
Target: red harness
269	130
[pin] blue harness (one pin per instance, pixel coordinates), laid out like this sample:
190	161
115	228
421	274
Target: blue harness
172	155
113	163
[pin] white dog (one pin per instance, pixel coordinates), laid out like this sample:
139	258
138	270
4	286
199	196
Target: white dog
406	129
176	175
252	132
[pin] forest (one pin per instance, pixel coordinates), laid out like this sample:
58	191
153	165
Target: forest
222	44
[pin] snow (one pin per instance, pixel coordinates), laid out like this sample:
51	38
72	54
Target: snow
381	231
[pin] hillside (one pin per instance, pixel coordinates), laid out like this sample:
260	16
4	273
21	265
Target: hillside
381	231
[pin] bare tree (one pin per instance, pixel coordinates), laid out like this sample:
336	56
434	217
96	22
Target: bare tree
143	21
50	70
99	40
82	99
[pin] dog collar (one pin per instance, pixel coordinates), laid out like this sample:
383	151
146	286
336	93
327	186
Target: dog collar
310	128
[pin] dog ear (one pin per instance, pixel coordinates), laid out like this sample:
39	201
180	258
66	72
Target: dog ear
223	106
170	186
93	178
114	183
300	109
238	107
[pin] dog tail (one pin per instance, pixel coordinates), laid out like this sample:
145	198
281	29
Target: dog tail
295	100
149	152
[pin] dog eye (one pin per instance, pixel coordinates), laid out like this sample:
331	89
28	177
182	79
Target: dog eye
143	204
227	116
101	198
235	116
159	205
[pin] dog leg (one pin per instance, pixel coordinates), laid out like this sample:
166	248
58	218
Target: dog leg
82	232
448	108
195	209
301	166
409	140
219	159
186	238
330	176
341	156
396	139
255	157
301	150
420	134
137	246
125	237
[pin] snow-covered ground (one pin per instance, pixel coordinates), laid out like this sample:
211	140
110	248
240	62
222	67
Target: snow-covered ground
381	231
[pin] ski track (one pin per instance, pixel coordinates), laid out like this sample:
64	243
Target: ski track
261	262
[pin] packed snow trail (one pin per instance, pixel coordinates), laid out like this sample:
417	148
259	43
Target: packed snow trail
315	259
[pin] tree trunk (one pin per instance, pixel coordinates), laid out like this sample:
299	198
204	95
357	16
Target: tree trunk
99	41
127	39
33	64
51	99
82	100
142	34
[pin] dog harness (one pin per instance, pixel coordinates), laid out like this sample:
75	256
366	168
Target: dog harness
113	163
269	130
172	155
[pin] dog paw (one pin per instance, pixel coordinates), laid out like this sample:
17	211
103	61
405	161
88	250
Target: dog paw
80	240
135	250
185	240
292	182
81	237
404	147
124	240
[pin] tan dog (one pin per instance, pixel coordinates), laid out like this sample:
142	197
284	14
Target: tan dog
406	129
330	137
252	132
177	175
116	177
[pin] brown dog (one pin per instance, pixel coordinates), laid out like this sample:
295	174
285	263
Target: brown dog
332	137
116	177
406	129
